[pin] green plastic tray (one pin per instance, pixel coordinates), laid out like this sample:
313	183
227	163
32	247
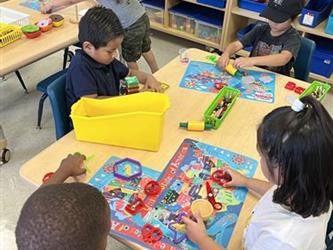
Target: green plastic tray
313	87
223	92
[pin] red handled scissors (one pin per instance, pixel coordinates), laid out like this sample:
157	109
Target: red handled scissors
221	177
210	196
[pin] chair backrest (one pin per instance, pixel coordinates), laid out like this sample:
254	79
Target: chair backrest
57	97
303	60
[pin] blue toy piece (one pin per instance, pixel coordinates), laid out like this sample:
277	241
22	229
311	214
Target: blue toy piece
303	60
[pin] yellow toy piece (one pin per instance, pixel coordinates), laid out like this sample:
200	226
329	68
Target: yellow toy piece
202	207
179	227
128	170
231	69
164	86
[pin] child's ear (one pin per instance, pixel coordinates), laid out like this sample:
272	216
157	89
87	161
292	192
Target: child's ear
88	47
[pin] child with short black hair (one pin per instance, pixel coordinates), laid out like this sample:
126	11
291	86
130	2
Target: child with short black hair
94	71
296	149
275	44
61	215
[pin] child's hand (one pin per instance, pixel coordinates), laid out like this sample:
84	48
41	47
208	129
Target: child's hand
195	231
242	62
73	165
223	60
237	179
152	84
45	8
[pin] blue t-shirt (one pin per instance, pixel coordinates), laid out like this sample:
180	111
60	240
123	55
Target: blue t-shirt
128	11
85	76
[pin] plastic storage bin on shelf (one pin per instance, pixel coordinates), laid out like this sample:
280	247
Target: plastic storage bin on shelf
315	12
329	26
252	5
209	25
182	17
154	10
14	17
215	3
322	60
134	121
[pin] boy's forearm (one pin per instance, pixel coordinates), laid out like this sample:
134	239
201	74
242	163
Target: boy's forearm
233	48
272	60
209	244
258	186
58	177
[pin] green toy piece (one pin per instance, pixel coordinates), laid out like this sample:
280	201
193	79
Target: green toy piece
213	58
132	81
30	28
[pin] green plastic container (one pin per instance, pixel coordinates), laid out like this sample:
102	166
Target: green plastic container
314	86
226	91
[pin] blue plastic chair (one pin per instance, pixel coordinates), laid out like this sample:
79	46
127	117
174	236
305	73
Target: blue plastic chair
42	87
57	97
303	60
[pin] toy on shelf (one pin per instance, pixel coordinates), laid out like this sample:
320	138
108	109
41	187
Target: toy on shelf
317	89
57	20
127	169
31	31
221	106
45	24
131	85
9	34
329	26
5	155
196	125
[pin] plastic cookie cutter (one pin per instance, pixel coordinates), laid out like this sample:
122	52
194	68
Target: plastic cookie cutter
135	206
151	234
127	169
210	196
178	227
152	188
221	177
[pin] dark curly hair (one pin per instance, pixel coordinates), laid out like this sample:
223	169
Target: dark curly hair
71	216
99	26
300	145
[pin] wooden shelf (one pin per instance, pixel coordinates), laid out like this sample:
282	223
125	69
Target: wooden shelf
206	5
319	30
247	13
182	34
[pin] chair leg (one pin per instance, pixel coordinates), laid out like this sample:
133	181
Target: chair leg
65	58
40	110
21	81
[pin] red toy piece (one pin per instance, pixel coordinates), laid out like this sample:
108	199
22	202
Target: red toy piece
47	177
211	198
219	85
135	206
151	234
290	86
299	90
152	188
221	177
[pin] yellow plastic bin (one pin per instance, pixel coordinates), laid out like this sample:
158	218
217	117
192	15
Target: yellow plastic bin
134	121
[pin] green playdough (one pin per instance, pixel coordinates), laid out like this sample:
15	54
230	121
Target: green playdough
30	28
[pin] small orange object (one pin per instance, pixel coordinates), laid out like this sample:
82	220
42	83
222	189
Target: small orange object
45	24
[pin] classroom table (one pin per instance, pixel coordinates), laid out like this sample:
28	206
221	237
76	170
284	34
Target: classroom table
237	133
26	51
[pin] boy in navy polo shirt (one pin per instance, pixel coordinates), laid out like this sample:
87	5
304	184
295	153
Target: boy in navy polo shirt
275	44
94	71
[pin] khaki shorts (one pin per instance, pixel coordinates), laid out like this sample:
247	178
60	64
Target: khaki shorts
137	40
